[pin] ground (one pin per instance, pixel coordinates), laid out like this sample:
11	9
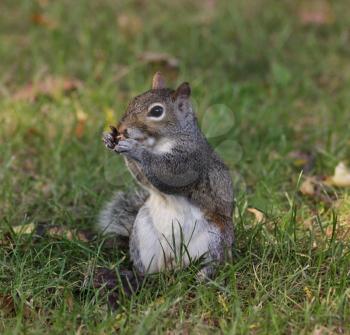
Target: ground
271	82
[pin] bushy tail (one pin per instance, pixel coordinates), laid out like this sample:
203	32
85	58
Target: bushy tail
119	214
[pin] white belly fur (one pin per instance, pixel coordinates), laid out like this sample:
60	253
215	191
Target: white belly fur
164	225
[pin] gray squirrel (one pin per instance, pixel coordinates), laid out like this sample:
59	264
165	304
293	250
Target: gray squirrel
183	209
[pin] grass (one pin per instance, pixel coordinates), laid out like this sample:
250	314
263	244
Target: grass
284	86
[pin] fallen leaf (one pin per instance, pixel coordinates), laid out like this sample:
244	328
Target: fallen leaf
129	25
54	231
40	19
84	235
315	187
69	234
7	304
81	121
341	177
49	86
24	229
316	12
6	240
59	231
322	330
308	187
259	215
159	58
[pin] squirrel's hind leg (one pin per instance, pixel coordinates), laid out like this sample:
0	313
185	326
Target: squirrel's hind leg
118	215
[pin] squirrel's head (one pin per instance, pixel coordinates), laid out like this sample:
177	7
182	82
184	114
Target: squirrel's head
158	113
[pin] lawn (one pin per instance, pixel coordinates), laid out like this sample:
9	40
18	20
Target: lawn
271	85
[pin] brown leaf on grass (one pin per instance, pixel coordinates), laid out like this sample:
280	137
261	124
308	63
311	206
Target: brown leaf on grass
159	58
309	186
322	330
49	86
54	231
315	188
341	177
7	304
316	12
320	188
24	229
129	25
42	20
259	215
6	240
69	234
59	231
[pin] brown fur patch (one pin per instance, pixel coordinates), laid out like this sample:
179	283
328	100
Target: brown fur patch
218	219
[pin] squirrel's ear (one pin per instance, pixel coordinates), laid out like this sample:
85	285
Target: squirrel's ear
183	91
158	81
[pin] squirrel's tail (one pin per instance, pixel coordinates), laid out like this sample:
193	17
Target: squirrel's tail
119	214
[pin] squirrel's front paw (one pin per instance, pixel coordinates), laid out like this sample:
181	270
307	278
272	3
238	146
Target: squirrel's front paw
129	147
126	145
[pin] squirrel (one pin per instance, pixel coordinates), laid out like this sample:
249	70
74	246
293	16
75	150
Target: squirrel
183	209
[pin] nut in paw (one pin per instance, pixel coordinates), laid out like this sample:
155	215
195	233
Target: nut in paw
112	138
109	140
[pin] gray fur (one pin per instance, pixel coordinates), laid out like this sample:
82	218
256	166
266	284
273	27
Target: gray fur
191	170
119	214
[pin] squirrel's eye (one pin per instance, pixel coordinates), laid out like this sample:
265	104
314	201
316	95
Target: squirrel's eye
156	111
